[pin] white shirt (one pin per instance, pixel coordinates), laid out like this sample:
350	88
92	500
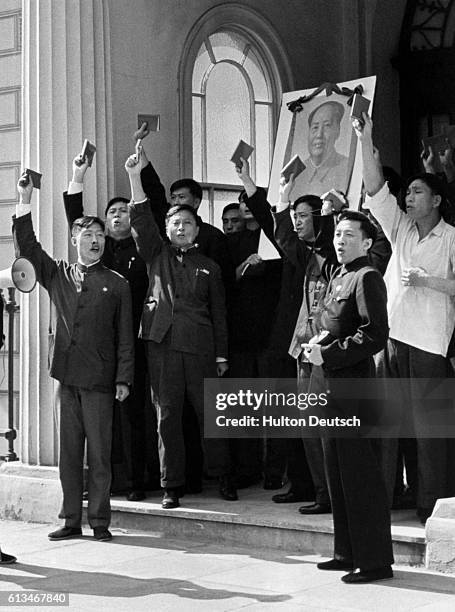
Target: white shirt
418	316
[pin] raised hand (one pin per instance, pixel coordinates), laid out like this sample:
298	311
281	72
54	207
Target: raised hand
25	188
80	165
142	132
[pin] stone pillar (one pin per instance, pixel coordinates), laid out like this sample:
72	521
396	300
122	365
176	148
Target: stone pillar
65	98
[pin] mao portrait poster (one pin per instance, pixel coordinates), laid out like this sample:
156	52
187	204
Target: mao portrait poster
315	124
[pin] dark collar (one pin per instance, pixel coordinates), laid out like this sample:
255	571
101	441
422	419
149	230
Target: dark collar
354	265
123	243
181	252
88	269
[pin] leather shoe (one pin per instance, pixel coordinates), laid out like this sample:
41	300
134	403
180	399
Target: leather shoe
6	559
335	565
102	534
227	489
316	509
65	533
291	497
136	495
363	576
270	484
170	499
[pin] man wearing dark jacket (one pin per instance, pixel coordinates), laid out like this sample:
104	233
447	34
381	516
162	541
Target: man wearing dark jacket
91	355
184	329
120	254
354	328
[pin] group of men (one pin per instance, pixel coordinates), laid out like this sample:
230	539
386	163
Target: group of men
200	304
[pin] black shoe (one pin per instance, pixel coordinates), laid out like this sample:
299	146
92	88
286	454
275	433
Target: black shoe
242	482
291	497
170	499
335	565
6	559
102	534
316	509
136	495
363	576
65	533
227	489
270	484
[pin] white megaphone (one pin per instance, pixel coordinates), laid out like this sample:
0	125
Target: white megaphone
21	275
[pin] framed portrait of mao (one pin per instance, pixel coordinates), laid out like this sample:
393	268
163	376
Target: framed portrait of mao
315	125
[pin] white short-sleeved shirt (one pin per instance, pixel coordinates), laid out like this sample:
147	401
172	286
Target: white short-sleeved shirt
418	316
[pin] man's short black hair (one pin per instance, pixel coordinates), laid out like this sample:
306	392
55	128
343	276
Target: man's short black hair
114	201
179	208
338	110
313	201
84	222
187	183
368	228
437	187
231	206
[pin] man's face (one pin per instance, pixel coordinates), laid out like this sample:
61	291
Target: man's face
182	229
184	196
232	221
323	133
89	243
118	221
349	241
420	200
303	221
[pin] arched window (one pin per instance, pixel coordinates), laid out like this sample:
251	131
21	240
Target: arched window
232	100
232	74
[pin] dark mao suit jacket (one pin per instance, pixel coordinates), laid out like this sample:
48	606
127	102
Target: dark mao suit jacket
91	337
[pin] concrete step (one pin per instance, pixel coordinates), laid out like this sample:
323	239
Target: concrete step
255	521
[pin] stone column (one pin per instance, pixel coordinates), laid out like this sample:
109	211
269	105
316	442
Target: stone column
65	98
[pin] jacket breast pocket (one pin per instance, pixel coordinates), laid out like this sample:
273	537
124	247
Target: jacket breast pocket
202	283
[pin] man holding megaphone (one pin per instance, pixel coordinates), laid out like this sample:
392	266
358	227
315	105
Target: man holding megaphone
91	355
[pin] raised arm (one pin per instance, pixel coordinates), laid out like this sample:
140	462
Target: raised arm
144	229
297	251
72	198
25	240
373	178
257	202
151	184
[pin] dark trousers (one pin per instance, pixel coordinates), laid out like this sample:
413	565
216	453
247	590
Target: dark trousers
361	516
85	415
401	360
174	376
248	453
142	442
312	376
